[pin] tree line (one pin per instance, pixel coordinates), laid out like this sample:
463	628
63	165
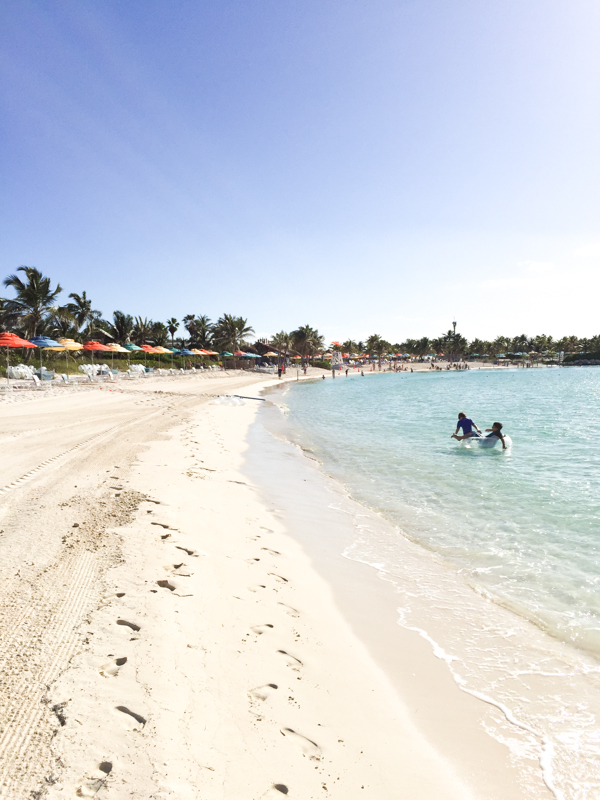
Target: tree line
454	345
34	310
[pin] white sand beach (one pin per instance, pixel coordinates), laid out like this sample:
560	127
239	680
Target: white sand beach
163	635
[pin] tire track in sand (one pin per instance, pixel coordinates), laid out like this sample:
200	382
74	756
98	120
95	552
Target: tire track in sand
41	619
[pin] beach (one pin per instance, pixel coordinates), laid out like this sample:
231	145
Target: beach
167	632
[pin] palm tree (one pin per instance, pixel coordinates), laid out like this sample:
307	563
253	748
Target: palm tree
142	329
173	326
34	301
189	323
120	329
60	324
159	333
455	344
282	342
307	341
230	332
87	318
377	346
203	330
8	319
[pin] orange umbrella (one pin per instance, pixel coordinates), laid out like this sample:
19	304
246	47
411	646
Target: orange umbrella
92	346
12	340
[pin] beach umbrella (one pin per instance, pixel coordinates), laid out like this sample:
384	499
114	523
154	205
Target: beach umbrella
147	348
115	348
44	342
239	353
12	340
131	348
225	354
66	345
93	346
160	349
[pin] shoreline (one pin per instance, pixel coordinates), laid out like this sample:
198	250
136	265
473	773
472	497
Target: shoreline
556	674
183	640
255	686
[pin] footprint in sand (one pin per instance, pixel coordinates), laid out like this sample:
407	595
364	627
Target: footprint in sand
111	668
260	629
256	588
290	660
275	792
278	578
132	714
192	553
309	748
93	783
262	692
131	625
289	610
173	587
271	552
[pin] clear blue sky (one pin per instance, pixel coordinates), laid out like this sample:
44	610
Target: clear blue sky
359	165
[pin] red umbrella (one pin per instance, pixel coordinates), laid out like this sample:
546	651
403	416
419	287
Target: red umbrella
12	340
92	345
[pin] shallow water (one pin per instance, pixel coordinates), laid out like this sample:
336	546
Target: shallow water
504	532
523	524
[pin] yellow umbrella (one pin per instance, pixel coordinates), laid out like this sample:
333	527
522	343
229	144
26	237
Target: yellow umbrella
271	355
66	345
70	344
116	348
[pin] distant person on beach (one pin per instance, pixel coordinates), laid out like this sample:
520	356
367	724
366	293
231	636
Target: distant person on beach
496	431
466	425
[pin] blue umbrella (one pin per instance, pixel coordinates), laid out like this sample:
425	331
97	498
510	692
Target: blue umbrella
186	352
43	341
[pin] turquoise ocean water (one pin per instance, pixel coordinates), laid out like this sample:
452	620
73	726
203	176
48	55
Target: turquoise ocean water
503	539
523	523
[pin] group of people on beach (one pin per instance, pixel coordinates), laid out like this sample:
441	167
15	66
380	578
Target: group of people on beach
466	425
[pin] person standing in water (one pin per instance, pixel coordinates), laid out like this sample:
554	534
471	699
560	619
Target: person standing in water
466	425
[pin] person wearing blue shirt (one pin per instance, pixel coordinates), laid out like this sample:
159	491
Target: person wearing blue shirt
466	425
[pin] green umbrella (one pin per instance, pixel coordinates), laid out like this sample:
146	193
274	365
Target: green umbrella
226	354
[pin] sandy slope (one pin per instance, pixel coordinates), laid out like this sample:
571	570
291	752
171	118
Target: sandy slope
59	451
